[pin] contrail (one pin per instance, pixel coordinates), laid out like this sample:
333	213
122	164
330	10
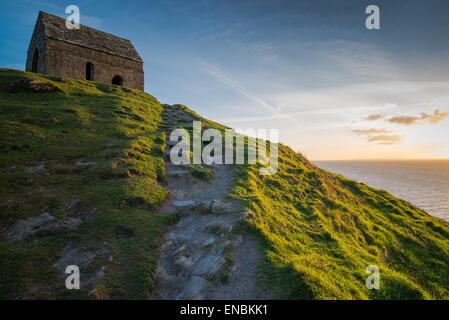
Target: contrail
218	74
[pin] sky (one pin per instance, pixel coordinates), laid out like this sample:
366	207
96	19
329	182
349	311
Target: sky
310	69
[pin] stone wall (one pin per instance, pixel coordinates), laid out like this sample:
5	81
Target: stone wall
69	60
37	42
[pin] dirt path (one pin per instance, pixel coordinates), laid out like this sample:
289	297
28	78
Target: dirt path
201	258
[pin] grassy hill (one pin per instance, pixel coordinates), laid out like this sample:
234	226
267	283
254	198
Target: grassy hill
79	150
90	156
321	231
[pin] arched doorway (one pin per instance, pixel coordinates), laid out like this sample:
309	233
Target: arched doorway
117	80
89	71
34	62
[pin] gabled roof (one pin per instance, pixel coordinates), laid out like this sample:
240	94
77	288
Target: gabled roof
55	28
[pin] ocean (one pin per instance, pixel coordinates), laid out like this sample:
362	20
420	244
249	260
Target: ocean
424	183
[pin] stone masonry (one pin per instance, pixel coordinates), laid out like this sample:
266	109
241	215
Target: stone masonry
84	53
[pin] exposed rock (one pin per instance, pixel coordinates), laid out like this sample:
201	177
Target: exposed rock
180	249
71	256
219	227
177	172
39	167
183	203
43	222
208	265
194	258
23	228
193	288
209	241
184	262
217	206
69	223
98	275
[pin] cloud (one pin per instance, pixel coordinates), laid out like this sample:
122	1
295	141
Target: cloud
373	117
363	61
218	35
91	21
371	131
404	120
220	76
425	118
386	139
379	136
47	4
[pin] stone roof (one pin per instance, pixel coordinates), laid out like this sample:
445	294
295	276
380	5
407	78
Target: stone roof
54	28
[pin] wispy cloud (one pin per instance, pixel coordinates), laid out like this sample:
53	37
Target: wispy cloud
424	118
374	117
370	131
91	21
310	112
379	136
218	35
363	60
46	4
386	139
220	76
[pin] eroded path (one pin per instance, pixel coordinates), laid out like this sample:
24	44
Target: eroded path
201	257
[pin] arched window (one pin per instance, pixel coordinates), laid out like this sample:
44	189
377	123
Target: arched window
89	71
117	80
34	62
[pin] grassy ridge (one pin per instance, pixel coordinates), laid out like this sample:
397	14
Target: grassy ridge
81	150
320	232
94	151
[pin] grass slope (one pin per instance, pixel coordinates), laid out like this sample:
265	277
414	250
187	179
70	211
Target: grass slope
320	231
83	150
102	149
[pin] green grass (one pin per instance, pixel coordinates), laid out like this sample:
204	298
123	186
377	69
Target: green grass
320	231
201	172
103	152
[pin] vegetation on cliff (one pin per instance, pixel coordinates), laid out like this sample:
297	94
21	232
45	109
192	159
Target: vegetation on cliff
81	152
320	232
90	156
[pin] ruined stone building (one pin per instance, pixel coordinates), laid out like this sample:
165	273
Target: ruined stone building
83	53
